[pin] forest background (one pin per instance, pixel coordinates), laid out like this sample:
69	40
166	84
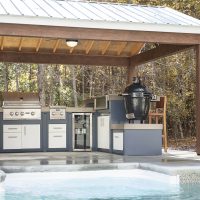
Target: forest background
173	76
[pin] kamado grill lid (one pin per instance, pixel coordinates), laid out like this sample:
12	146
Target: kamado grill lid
137	87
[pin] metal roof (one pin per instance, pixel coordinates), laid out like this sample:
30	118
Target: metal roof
87	14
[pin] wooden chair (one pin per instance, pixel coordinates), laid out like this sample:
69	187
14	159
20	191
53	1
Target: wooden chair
160	112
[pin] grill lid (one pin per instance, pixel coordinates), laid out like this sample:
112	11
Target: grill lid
20	99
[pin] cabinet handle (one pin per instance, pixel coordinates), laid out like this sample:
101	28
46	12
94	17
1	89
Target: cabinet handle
116	136
57	136
24	130
12	128
57	128
12	136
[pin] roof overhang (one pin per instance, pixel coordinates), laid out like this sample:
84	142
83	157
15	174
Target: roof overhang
99	24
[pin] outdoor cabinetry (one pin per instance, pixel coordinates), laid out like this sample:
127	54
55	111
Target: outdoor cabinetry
118	140
57	136
103	124
21	136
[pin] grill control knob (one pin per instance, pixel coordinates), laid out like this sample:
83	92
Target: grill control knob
32	113
11	113
61	113
22	113
53	113
16	113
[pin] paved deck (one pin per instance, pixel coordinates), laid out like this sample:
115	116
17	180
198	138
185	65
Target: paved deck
183	163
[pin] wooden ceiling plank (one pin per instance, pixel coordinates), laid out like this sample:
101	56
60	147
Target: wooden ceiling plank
156	53
38	44
136	48
105	48
56	45
2	43
58	58
89	47
20	43
121	48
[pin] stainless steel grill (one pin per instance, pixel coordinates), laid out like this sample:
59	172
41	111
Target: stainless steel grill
18	106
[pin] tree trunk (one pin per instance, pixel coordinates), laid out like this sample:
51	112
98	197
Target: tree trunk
83	83
6	78
74	86
180	129
17	77
41	81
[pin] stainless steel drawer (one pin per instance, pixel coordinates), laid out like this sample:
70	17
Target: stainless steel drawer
12	128
57	128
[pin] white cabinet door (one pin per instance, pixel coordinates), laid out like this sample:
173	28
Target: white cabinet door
31	136
57	136
11	136
57	140
12	140
103	123
118	140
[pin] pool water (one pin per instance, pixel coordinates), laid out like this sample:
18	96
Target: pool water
109	184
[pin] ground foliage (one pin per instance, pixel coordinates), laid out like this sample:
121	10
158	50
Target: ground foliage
173	76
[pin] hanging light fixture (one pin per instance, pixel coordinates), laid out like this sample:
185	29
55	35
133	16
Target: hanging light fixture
71	43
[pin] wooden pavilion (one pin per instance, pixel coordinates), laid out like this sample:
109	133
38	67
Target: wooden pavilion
35	31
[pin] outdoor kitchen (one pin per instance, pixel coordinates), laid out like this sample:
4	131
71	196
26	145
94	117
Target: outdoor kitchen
110	123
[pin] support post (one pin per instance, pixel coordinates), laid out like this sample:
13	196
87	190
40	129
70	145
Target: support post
198	99
132	72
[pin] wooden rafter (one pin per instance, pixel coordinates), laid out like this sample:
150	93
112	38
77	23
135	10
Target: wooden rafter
121	48
25	30
56	45
38	44
58	58
105	48
2	42
89	47
71	49
158	52
20	43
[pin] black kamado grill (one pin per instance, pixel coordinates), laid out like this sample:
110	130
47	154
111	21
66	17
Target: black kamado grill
137	99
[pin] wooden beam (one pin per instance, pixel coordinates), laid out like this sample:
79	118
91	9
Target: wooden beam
156	53
24	30
56	45
121	48
20	43
198	99
38	44
47	58
105	48
89	47
2	42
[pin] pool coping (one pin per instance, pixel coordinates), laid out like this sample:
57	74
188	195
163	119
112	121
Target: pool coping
186	174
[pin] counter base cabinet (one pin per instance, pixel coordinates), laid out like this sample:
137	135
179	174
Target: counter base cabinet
21	136
57	136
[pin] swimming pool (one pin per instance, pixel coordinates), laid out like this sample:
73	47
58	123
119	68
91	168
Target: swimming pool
105	184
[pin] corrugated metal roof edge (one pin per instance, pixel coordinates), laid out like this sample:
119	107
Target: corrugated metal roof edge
113	3
115	25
